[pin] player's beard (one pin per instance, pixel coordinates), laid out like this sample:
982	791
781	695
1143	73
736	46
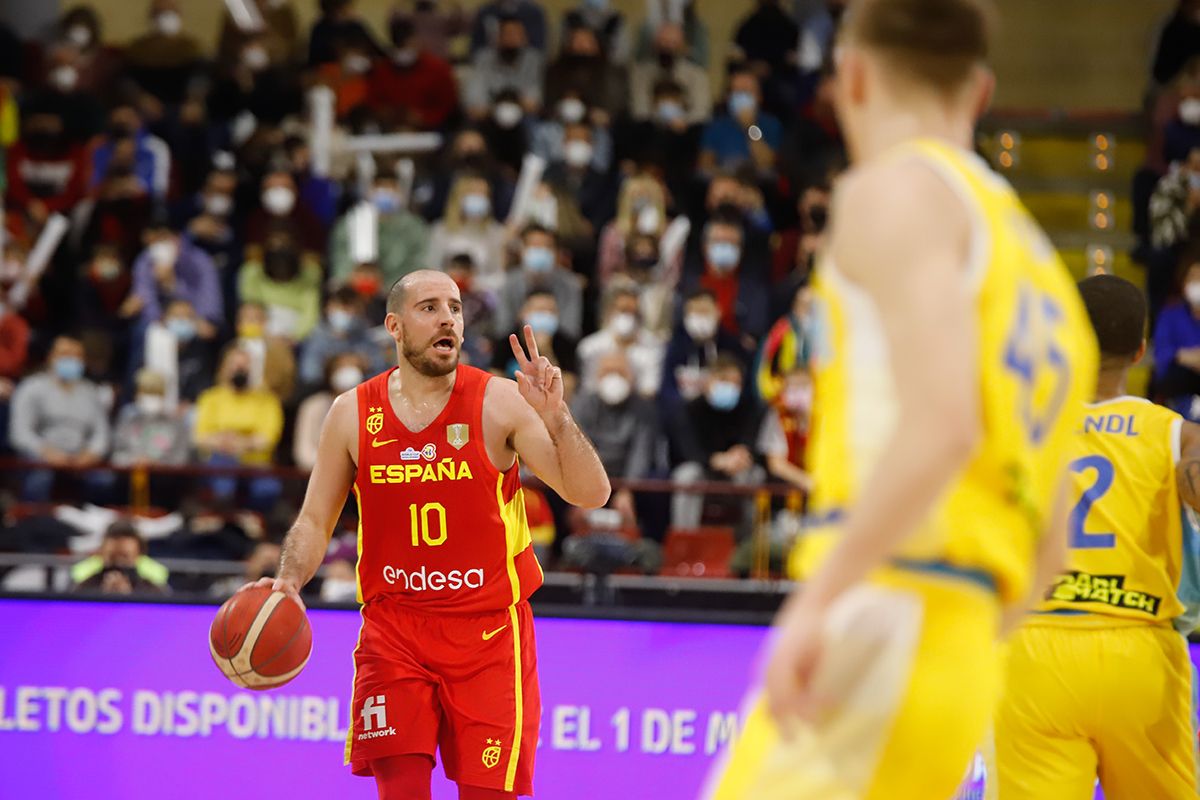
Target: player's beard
421	362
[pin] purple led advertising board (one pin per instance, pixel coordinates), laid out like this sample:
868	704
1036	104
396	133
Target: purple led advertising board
121	700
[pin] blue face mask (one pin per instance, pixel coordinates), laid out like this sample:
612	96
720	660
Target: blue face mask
68	368
723	395
741	102
538	259
543	322
669	111
476	206
385	201
340	321
183	328
724	256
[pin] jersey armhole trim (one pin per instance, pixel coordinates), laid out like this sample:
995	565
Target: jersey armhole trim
980	239
1176	436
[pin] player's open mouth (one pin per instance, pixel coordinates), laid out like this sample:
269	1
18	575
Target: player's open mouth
445	345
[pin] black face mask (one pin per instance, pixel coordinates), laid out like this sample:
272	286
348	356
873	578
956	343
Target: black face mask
118	130
43	141
666	59
508	54
817	217
644	263
727	209
240	379
281	264
425	6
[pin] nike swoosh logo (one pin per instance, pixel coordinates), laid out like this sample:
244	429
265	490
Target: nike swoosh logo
489	634
377	443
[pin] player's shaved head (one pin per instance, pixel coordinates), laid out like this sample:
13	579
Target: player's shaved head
935	43
398	295
1117	309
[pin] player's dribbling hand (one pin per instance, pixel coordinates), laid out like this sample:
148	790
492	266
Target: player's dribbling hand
539	381
790	668
281	585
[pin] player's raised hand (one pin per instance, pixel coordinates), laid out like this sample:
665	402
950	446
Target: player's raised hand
539	381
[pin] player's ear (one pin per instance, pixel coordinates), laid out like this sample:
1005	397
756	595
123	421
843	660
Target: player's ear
392	324
984	83
851	73
1140	353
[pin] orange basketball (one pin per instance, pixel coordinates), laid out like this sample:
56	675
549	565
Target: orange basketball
260	639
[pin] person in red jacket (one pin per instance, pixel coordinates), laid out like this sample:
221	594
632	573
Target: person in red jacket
414	88
47	172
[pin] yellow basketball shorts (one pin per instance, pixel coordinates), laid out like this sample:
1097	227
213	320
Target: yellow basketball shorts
1082	701
911	668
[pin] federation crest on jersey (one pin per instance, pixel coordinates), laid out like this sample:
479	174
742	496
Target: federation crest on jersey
374	420
458	435
491	753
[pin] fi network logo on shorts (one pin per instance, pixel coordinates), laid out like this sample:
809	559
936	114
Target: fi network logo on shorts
374	716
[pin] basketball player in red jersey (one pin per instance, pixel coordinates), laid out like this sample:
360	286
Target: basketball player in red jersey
445	657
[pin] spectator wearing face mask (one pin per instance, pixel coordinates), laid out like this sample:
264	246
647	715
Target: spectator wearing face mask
343	330
212	228
47	173
147	431
402	237
96	66
1178	42
644	274
151	156
783	439
238	423
437	24
283	207
59	417
788	347
576	175
479	309
340	372
288	285
623	333
540	311
1174	218
642	210
271	356
510	64
540	271
414	87
665	143
470	226
795	249
164	59
340	583
468	154
744	133
669	63
692	350
767	38
122	207
195	356
508	131
679	12
103	299
619	422
65	89
489	18
172	268
736	279
258	81
280	34
120	565
583	69
347	74
549	134
1177	342
712	438
1182	132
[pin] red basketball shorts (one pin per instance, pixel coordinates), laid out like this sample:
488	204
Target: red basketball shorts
464	684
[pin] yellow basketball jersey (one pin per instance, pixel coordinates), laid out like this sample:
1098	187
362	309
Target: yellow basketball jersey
1036	368
1125	532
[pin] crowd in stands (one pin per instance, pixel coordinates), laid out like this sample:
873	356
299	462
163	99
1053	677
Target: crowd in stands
216	278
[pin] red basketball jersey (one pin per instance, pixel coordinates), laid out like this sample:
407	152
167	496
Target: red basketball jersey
440	528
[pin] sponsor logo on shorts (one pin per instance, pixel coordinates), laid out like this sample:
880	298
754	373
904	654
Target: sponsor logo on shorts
374	716
423	580
491	753
1109	590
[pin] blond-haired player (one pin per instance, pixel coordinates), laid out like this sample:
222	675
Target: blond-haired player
1099	682
953	362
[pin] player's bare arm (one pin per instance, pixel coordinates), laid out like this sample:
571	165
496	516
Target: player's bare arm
904	240
540	429
330	481
1187	471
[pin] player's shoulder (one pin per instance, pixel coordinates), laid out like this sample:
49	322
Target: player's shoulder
897	198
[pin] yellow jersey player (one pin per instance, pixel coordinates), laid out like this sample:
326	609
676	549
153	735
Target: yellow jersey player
1099	680
953	362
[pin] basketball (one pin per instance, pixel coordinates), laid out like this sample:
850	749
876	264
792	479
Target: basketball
260	639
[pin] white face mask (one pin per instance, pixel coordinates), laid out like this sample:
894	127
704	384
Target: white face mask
338	590
700	327
169	23
163	251
1191	291
279	200
255	58
218	204
356	63
64	77
345	378
623	325
648	220
507	115
577	153
1189	111
572	109
613	389
151	405
79	35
